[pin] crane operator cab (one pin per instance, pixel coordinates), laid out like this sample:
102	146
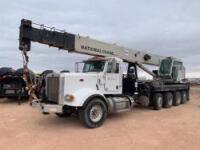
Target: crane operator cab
171	69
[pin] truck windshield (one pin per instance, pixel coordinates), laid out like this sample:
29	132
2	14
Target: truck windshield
93	66
165	66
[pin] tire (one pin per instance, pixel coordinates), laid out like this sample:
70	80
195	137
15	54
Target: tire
177	98
157	101
168	100
94	113
183	97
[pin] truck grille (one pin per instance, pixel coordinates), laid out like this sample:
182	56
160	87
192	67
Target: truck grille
52	87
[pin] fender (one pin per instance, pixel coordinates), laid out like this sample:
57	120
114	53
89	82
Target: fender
82	96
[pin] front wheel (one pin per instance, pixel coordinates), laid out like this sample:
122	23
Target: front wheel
94	113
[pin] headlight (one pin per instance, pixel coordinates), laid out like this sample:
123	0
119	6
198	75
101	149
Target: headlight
69	97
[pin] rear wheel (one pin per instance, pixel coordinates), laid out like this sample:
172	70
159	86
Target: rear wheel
183	97
177	98
94	113
157	101
168	100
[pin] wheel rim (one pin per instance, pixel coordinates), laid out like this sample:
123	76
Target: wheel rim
96	113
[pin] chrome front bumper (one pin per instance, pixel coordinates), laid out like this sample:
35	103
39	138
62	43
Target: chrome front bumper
47	108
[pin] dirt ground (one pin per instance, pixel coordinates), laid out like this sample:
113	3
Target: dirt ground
22	127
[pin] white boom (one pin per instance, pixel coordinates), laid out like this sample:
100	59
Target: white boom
94	47
80	44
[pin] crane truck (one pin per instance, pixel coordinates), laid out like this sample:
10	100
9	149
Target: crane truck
101	87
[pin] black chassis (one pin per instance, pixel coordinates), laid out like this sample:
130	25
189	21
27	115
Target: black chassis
148	88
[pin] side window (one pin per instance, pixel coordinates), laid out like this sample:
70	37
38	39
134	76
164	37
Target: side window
178	65
113	67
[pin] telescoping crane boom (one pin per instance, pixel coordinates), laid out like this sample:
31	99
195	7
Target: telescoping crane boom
79	44
101	87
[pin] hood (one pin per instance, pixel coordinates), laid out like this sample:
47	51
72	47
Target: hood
75	81
80	74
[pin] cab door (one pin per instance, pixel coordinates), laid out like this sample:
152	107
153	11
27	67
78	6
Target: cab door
113	77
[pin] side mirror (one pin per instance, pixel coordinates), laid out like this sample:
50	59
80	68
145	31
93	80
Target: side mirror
76	67
114	66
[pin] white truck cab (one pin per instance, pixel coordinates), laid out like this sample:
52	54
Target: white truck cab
99	76
101	79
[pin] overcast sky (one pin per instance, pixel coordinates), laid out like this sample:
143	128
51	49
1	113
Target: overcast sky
164	27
